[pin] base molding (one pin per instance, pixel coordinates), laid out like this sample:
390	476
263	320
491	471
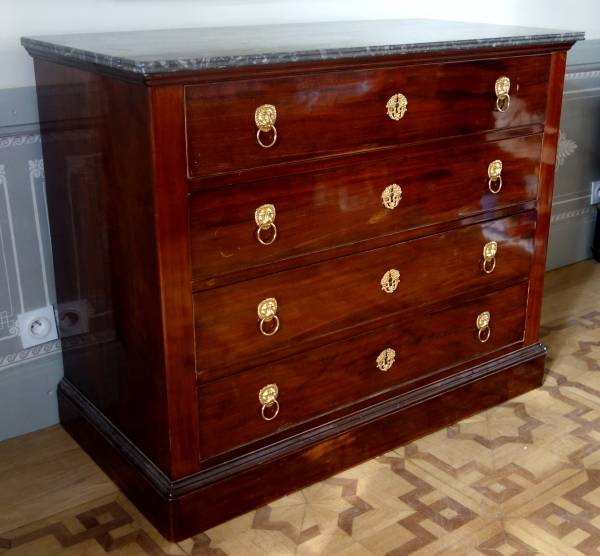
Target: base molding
182	508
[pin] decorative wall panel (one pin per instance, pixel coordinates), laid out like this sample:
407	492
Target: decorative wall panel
26	273
578	159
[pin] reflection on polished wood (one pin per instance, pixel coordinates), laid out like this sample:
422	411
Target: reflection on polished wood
344	371
323	210
521	476
342	112
154	185
450	270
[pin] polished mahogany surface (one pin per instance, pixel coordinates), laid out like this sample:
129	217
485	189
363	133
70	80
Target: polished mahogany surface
153	183
544	199
317	301
344	372
345	112
236	487
100	204
173	253
323	210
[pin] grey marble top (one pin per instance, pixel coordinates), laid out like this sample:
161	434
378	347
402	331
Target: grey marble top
147	52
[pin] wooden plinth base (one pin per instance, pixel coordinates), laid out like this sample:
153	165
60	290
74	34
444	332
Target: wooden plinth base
182	508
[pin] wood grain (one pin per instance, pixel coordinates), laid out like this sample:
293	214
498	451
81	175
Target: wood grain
101	213
342	113
434	148
204	500
342	373
173	251
152	186
544	200
316	301
325	210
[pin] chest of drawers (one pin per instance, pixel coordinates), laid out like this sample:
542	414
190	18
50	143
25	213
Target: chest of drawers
280	251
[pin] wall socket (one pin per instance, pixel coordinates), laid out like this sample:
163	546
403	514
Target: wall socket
73	318
595	196
37	326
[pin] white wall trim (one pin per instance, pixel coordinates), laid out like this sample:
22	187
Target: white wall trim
3	182
43	350
582	75
572	213
36	170
18	140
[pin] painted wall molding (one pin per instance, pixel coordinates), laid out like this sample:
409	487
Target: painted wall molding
37	352
566	147
582	75
578	159
18	140
572	213
26	276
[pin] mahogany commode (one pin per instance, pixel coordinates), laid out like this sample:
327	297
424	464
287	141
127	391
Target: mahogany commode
277	260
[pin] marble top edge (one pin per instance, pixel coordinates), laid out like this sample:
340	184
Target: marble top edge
166	51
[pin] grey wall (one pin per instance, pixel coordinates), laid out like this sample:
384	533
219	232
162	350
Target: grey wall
28	377
578	163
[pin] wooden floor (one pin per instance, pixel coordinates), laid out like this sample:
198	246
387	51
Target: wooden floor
520	479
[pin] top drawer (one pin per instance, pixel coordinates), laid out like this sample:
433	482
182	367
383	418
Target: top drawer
338	113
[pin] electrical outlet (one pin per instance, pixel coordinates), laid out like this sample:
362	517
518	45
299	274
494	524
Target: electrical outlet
37	327
73	318
595	196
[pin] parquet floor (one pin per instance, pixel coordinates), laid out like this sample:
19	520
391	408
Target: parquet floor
520	479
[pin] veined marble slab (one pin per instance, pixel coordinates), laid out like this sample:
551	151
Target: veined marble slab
149	52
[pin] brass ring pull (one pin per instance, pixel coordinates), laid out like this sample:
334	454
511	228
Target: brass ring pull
386	359
265	117
390	280
265	220
268	397
502	88
274	415
507	98
397	106
265	130
495	191
483	327
489	257
495	174
391	196
272	238
487	269
267	310
484	335
262	321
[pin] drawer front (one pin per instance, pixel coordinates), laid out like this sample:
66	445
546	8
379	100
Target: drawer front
346	112
336	296
338	374
328	209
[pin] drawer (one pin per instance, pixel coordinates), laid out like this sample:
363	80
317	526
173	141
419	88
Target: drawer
343	112
328	209
336	296
327	378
